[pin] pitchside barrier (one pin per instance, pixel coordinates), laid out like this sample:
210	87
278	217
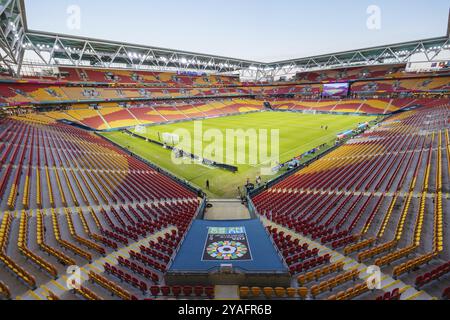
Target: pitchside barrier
188	154
74	124
143	138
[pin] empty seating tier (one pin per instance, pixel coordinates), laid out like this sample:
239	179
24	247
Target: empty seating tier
378	198
85	200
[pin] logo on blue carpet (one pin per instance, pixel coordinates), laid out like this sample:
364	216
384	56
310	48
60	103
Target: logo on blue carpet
227	244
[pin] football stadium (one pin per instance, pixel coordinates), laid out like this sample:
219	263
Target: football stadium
135	172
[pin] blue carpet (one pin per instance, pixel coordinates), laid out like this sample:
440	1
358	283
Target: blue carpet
254	251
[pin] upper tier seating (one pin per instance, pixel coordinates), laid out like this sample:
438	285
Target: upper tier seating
369	106
110	115
359	73
147	77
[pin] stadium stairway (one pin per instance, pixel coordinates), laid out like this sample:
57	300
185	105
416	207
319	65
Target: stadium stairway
182	112
227	293
159	113
388	106
388	283
104	120
59	286
133	116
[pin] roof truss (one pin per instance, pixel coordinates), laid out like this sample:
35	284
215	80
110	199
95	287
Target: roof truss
63	50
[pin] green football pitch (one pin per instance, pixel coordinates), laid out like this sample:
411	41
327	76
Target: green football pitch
298	133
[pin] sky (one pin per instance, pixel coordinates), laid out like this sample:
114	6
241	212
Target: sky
258	30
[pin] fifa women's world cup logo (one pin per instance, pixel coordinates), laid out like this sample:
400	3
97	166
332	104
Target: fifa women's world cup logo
227	244
227	250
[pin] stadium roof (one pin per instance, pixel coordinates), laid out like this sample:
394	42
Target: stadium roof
52	49
395	53
105	53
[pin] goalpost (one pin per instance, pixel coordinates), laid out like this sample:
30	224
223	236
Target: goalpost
170	138
140	129
310	112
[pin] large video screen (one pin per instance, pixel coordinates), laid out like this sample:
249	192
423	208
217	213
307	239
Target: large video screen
335	89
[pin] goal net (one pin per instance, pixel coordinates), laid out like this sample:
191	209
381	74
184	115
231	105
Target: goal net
140	129
171	139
